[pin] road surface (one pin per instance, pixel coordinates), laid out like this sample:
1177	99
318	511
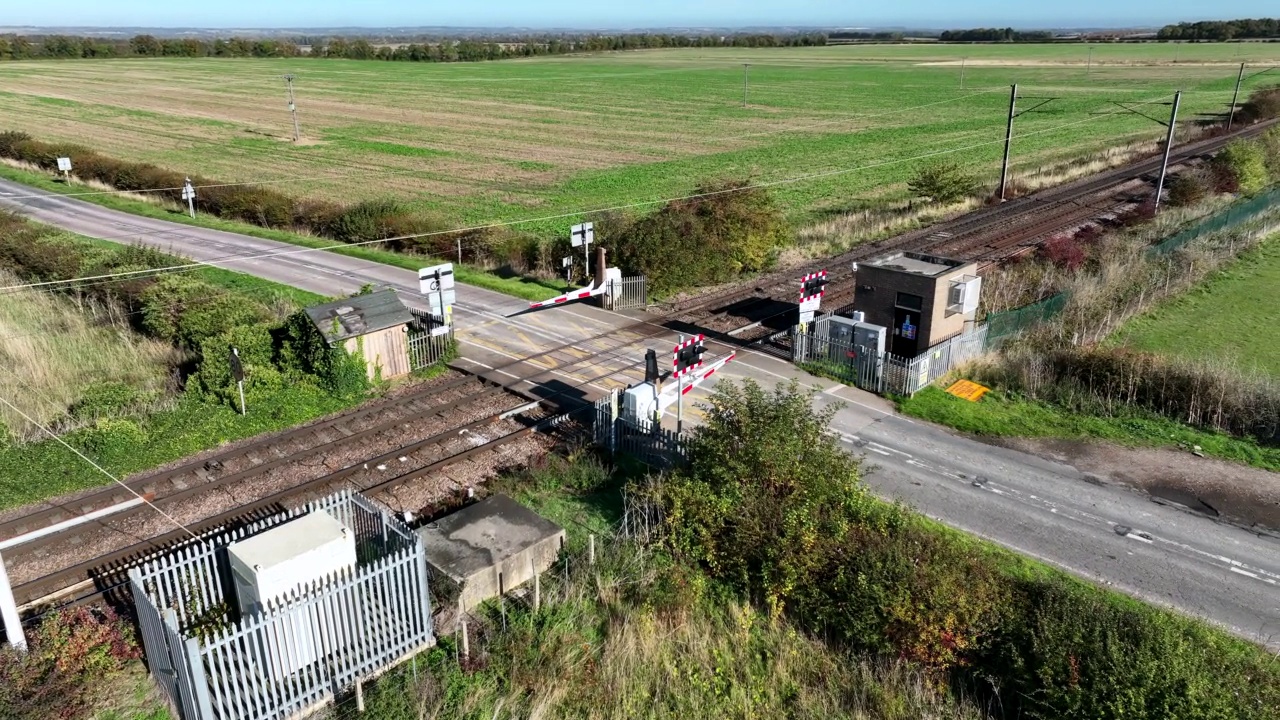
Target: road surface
1109	534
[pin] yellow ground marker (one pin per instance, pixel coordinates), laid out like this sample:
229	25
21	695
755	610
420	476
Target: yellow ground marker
967	390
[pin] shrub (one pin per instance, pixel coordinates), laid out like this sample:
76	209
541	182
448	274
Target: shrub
9	140
73	656
186	311
727	230
1245	163
943	182
1188	188
1263	104
1063	251
302	349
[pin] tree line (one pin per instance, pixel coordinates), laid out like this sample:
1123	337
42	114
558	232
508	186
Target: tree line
995	35
1247	29
19	47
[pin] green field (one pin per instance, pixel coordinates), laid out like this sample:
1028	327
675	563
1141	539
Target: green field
522	140
1231	316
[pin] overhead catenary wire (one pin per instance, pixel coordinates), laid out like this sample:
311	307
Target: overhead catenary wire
370	171
230	259
96	466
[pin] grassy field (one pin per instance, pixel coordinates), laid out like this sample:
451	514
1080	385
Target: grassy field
1231	316
55	350
522	140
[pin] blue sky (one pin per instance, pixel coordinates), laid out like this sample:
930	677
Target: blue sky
628	14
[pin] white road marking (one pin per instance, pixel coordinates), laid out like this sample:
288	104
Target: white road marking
1246	573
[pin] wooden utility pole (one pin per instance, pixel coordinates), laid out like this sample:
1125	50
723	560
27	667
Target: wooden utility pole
293	109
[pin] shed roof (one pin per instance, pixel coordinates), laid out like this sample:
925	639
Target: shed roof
359	315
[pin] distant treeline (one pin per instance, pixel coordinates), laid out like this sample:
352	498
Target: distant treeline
1260	28
995	35
18	47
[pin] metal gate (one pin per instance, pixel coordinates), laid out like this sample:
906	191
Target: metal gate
429	341
627	293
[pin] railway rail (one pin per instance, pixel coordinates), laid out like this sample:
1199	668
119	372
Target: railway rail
987	236
84	563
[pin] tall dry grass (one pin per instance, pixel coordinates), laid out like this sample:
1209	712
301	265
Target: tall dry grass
55	349
634	637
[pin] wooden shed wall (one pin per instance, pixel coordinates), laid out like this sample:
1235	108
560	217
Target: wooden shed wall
387	349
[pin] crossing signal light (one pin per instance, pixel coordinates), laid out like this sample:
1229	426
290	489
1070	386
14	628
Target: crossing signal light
688	355
813	286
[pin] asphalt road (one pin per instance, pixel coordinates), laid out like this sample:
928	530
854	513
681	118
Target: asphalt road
1112	535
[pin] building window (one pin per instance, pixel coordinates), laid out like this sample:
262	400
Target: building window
907	301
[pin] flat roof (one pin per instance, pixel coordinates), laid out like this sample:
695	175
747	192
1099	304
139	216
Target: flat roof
917	263
483	535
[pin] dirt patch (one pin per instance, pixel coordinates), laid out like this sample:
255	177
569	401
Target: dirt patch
1215	488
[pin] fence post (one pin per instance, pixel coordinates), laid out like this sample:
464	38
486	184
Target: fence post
591	549
200	681
537	586
466	642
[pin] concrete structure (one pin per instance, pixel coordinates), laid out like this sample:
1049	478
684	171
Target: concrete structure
375	325
491	547
922	299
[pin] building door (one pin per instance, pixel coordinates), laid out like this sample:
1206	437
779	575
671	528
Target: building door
907	312
906	332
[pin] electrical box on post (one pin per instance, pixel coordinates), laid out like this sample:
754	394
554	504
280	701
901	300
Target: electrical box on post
962	296
640	403
272	565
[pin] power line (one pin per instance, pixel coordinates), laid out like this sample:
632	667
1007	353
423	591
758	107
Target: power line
100	469
559	216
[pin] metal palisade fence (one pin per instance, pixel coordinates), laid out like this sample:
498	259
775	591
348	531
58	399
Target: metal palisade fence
648	442
301	649
627	293
885	374
426	348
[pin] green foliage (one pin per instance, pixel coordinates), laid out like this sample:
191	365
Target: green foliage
767	493
72	659
187	311
1244	162
771	506
1001	414
726	232
304	350
943	182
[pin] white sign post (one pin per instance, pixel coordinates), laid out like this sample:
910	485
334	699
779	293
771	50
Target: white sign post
582	236
9	612
436	284
189	194
237	374
566	262
64	166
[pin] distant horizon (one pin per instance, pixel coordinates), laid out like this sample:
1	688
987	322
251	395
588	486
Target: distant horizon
581	16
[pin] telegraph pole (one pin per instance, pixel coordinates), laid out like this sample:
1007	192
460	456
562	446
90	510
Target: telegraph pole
1231	114
293	108
1089	68
1008	141
963	61
746	82
1168	146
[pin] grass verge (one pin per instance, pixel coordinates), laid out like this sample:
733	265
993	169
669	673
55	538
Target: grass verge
522	287
1000	414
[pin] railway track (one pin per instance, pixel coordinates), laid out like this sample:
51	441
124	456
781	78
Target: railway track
388	448
987	236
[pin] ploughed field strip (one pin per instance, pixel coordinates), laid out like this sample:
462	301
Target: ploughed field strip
987	236
464	426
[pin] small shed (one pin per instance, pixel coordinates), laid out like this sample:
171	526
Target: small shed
375	325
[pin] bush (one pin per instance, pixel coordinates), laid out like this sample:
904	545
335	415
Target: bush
1063	251
943	182
772	506
724	232
1263	104
1242	163
72	658
1188	188
302	349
